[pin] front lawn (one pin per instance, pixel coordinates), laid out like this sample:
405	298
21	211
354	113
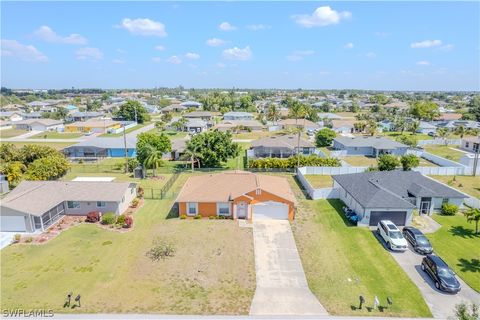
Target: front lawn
342	262
319	181
212	271
149	183
447	152
56	135
457	244
467	184
396	134
10	133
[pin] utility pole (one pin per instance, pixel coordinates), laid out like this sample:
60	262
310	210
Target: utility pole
125	147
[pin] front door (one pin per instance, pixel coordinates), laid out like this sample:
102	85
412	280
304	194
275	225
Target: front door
242	210
425	207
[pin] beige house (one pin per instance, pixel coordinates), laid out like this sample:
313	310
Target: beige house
36	205
39	125
239	125
471	144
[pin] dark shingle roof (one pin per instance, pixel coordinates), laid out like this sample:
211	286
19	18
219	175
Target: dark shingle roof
375	142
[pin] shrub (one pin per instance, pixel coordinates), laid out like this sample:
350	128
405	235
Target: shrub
17	237
212	217
121	220
387	162
312	160
161	249
109	218
93	217
183	216
324	137
29	239
140	192
449	209
135	202
132	164
409	161
128	222
197	217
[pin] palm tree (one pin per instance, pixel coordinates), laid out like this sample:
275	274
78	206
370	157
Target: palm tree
473	215
273	113
192	154
153	160
443	133
414	127
460	131
372	127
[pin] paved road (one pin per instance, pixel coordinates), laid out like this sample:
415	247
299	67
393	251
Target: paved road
441	304
282	287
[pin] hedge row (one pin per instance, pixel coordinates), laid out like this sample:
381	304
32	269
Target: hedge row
311	161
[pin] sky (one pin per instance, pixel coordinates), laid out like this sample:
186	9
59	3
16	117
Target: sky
309	45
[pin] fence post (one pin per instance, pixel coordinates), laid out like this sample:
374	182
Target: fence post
151	193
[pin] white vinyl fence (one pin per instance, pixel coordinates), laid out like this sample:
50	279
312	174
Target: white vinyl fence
472	202
319	193
439	141
127	126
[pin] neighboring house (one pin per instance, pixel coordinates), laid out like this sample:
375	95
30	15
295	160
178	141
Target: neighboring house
36	205
39	125
471	144
151	109
173	108
239	125
298	123
191	104
238	115
426	127
4	188
32	115
386	125
93	125
206	116
328	115
281	146
452	125
343	126
5	124
178	148
103	147
239	195
449	116
393	195
12	116
195	126
85	115
38	104
369	146
71	108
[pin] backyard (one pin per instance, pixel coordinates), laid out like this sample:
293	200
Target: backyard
457	244
467	184
319	181
447	152
396	134
112	135
113	274
56	135
363	161
342	262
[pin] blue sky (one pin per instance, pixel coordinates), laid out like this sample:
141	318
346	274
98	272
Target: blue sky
318	45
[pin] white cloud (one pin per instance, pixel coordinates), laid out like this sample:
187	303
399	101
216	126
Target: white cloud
89	53
257	27
46	33
159	48
321	17
423	63
382	34
118	61
299	55
324	73
371	55
156	59
348	45
426	44
446	47
13	48
192	56
225	26
144	27
221	65
215	42
174	60
237	53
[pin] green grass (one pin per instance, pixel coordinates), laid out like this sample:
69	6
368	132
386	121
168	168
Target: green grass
457	244
56	145
342	262
467	184
445	151
395	134
212	271
9	133
360	161
239	162
319	181
171	134
326	151
56	135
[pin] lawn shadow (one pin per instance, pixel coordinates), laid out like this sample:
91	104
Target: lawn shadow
338	205
173	213
429	280
301	187
469	265
380	240
460	231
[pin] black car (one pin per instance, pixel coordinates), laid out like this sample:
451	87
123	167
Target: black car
439	271
418	240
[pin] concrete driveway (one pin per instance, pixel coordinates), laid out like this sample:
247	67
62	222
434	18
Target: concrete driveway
282	287
441	304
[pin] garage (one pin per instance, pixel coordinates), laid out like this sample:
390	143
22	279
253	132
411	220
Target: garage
13	223
270	210
397	217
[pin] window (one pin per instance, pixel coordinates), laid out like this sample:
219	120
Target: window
223	209
192	208
467	144
101	204
73	204
444	201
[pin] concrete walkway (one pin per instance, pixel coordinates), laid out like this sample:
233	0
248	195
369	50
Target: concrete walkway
282	287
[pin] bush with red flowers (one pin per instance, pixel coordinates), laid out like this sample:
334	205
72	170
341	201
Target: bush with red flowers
128	222
93	216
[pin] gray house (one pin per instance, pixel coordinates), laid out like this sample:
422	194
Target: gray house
238	115
393	195
281	147
369	146
36	205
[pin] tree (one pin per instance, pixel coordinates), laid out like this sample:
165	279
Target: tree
443	133
48	168
133	110
409	161
191	154
324	137
387	162
414	125
167	117
273	114
31	152
14	172
354	107
460	131
400	124
424	110
474	107
462	312
410	140
473	215
372	127
213	148
179	124
8	152
311	113
153	158
160	125
148	141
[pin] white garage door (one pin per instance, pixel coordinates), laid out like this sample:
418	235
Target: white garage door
270	210
13	223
